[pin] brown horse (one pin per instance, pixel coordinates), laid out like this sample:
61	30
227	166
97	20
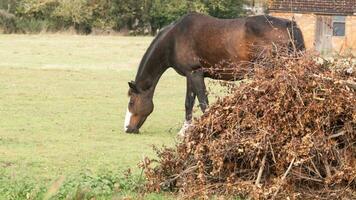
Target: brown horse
195	43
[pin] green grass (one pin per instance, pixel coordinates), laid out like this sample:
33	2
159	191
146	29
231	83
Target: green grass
62	104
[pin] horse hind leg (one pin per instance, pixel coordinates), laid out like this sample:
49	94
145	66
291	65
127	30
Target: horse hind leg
195	87
189	104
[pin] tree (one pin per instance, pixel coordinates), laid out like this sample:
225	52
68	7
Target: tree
75	11
101	13
138	16
225	8
164	12
8	5
127	13
36	9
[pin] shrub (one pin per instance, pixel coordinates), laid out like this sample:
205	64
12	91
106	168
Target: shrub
137	16
82	185
7	22
30	25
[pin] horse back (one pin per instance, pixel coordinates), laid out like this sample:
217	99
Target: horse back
200	41
266	30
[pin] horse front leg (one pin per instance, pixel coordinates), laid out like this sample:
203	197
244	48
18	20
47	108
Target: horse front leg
189	104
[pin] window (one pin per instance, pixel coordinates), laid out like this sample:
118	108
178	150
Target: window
339	25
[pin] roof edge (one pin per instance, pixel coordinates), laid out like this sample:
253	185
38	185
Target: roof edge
311	12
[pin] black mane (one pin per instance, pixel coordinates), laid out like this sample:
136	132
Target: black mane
152	47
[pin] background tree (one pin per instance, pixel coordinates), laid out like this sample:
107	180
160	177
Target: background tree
36	9
76	12
8	5
225	8
164	12
136	16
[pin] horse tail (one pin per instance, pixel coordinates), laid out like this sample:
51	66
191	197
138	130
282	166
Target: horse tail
296	37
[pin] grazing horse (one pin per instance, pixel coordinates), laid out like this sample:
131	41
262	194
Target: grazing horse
196	43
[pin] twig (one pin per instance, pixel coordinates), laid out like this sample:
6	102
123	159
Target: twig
269	21
327	167
307	178
298	91
315	168
273	157
260	171
284	177
350	84
143	168
337	135
179	175
289	168
292	41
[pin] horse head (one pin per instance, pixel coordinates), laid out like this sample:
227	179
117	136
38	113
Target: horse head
139	108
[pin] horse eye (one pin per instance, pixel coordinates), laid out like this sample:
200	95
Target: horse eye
131	102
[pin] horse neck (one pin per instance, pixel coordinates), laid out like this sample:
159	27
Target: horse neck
155	61
151	70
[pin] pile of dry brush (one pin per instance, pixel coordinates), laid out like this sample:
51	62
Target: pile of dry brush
290	133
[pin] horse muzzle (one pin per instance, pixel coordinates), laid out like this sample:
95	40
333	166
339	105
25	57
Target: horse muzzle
132	130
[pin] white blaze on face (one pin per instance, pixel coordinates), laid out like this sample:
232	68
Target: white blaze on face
127	119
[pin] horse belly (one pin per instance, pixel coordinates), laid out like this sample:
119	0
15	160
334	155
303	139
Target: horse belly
231	63
229	71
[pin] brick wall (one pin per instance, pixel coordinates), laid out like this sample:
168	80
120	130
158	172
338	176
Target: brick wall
307	23
347	44
351	33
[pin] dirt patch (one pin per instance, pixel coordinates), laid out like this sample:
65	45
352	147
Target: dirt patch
6	164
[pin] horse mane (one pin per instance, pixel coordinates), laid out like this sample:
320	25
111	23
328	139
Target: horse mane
160	35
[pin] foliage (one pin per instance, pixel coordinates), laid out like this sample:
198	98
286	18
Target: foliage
83	185
105	184
165	11
7	21
76	12
20	189
139	16
8	5
224	9
36	9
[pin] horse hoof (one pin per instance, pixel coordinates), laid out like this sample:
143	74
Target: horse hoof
183	131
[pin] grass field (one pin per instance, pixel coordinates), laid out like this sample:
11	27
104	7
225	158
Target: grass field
62	104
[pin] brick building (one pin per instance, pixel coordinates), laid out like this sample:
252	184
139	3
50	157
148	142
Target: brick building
329	26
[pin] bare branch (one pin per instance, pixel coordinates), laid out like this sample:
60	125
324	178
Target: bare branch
260	171
283	178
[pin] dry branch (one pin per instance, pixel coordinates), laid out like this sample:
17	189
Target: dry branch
258	179
349	83
300	111
283	178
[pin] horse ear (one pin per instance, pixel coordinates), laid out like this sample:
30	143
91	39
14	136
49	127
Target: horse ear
133	87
